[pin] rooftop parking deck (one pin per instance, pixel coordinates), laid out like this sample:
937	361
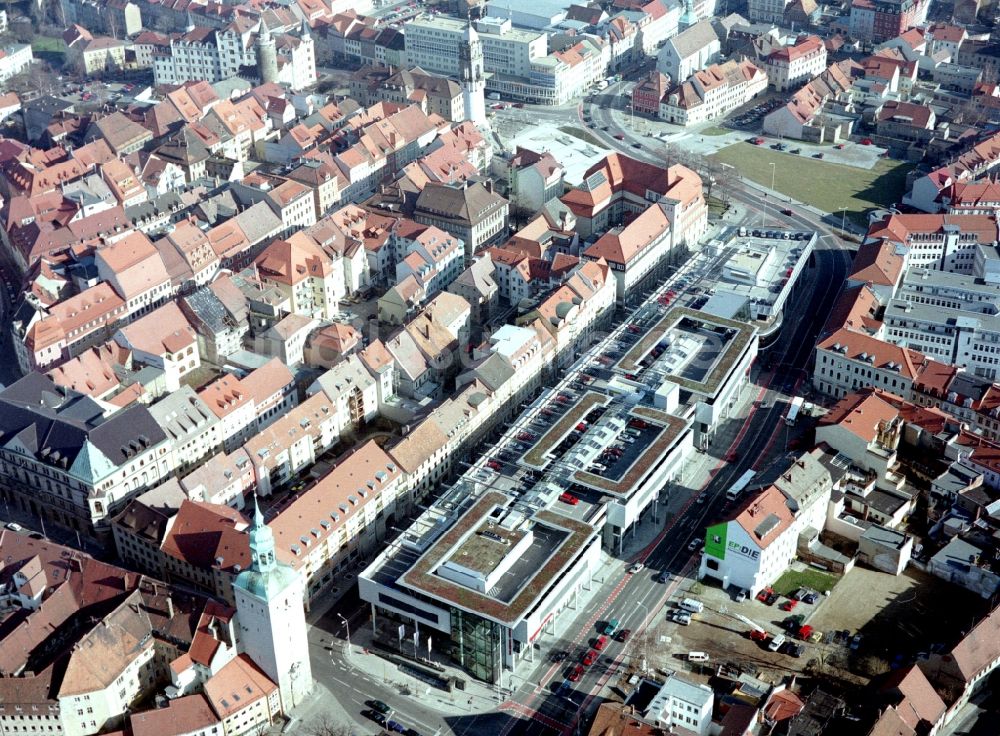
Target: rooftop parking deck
576	411
651	444
702	349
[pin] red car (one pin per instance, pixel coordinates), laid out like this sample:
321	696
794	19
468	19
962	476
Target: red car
758	141
758	635
575	673
638	423
789	605
590	657
581	427
562	398
600	643
762	595
525	436
732	457
493	465
634	329
567	497
619	136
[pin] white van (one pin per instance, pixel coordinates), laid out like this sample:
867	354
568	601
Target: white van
691	605
697	657
776	643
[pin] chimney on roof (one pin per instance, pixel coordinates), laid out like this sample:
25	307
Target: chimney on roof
170	606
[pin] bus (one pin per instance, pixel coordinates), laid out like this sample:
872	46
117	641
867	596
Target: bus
793	411
740	485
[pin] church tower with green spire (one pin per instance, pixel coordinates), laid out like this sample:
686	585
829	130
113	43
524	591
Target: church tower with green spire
269	605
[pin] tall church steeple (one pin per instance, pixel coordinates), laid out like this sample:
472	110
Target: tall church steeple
270	608
690	16
261	542
472	76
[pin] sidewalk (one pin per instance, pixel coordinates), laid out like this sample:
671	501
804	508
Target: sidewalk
365	657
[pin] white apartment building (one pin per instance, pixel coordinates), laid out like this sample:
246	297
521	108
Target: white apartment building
792	66
352	389
89	696
204	53
949	290
849	361
163	339
432	43
753	548
634	250
305	274
211	54
713	92
939	242
967	340
14	60
294	442
684	704
191	426
340	519
434	257
767	11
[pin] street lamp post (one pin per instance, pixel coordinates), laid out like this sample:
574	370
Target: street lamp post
347	627
843	218
773	169
642	632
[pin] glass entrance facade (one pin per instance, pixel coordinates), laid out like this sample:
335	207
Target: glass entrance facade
477	645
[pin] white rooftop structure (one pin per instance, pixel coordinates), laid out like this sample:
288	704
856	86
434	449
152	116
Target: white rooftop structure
682	703
509	339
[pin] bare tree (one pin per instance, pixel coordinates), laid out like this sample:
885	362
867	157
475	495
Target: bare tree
327	726
873	666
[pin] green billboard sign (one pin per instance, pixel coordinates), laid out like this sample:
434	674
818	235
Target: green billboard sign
715	540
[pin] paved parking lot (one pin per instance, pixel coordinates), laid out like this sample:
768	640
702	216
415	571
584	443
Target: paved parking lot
719	633
898	617
903	614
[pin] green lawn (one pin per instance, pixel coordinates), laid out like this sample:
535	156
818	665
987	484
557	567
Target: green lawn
714	130
827	186
49	48
716	207
48	43
809	578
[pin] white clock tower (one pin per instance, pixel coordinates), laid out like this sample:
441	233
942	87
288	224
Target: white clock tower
269	605
473	78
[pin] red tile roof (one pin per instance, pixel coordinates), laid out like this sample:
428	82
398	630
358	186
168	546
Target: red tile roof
874	352
765	516
877	261
202	534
